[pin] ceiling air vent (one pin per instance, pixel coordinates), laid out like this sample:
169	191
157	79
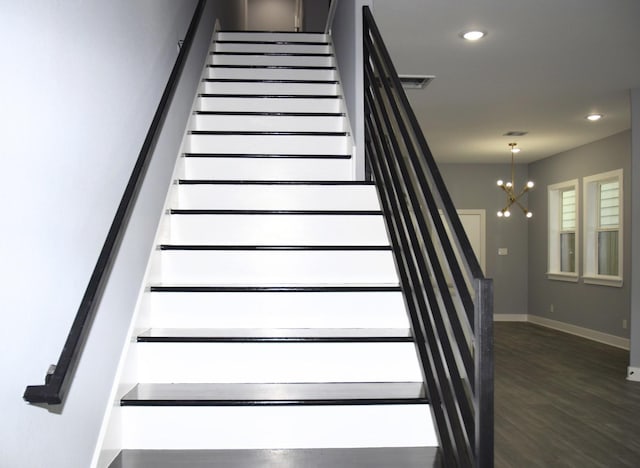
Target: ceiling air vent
415	81
515	133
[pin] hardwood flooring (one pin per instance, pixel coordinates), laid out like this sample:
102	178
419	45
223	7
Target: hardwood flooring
562	401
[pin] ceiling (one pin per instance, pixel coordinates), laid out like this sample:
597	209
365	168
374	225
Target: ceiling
543	66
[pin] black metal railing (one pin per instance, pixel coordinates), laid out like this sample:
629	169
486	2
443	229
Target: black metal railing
449	300
59	376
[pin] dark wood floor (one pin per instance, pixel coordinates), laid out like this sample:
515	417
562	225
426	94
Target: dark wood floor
562	401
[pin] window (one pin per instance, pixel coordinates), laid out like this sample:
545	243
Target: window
603	229
563	231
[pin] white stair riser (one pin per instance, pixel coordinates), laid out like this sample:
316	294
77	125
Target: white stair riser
269	144
295	60
278	230
269	104
271	36
277	427
276	123
302	89
277	267
271	73
286	48
381	309
276	362
277	197
268	169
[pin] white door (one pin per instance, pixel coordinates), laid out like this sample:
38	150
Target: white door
473	222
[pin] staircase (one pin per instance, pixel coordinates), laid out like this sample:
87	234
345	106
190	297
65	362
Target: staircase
274	331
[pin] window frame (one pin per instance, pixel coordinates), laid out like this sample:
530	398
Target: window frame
554	231
591	187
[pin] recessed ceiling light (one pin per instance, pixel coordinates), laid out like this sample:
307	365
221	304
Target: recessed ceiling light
473	35
593	117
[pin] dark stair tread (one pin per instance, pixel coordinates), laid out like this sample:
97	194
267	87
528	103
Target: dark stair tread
273	114
258	80
270	96
276	212
288	67
275	335
271	31
279	248
377	457
274	288
276	42
264	133
267	156
354	183
273	54
275	394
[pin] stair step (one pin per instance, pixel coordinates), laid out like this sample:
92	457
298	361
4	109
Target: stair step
196	212
276	53
277	196
276	166
278	248
267	156
270	81
271	73
275	335
253	362
295	87
272	59
270	96
271	394
264	46
247	142
249	103
277	427
352	183
271	36
376	457
269	41
233	121
274	289
310	114
284	309
273	267
263	67
263	133
265	228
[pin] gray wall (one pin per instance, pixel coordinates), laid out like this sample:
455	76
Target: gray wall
473	186
347	38
315	15
599	308
80	85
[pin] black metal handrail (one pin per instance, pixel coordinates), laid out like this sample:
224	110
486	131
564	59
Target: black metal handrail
60	375
449	300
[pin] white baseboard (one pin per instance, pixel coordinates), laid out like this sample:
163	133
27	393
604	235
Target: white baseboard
600	337
633	374
509	317
606	338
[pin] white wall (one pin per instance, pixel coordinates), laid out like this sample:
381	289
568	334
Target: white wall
634	355
80	83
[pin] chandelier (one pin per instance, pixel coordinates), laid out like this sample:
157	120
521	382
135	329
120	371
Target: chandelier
510	189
